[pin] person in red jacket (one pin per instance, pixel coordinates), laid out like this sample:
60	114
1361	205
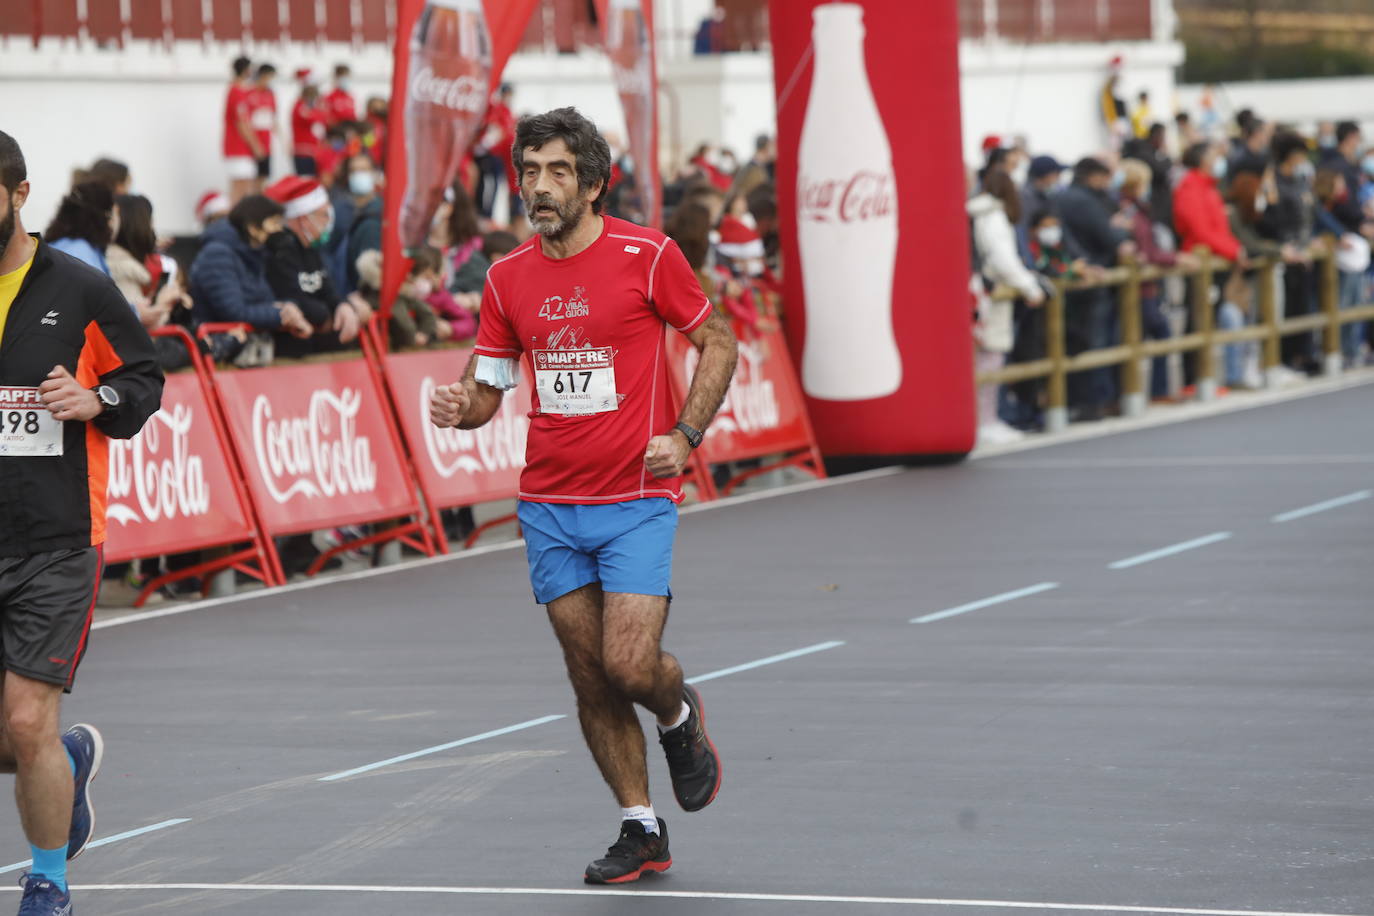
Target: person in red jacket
1199	212
308	121
339	101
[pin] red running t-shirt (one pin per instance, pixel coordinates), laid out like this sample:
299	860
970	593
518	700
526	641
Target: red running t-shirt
235	107
305	135
262	112
590	329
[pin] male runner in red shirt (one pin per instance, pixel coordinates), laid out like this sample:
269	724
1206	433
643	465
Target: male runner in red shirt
585	303
240	152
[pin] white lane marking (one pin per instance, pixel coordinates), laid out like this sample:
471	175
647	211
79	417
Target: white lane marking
987	602
106	841
543	720
1170	550
772	659
1313	509
494	733
1164	464
690	895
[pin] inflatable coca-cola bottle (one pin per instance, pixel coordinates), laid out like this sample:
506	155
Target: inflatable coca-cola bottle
446	98
847	220
627	45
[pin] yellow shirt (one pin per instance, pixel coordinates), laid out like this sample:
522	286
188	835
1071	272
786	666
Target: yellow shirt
9	288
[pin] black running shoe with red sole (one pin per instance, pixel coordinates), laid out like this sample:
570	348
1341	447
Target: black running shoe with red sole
693	761
634	853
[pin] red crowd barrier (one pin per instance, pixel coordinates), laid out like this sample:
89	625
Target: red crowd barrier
455	467
763	414
319	449
242	457
174	487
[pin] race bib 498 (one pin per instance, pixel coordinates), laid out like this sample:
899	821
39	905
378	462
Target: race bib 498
27	427
575	382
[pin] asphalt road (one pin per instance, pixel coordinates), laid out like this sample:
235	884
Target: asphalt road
1147	692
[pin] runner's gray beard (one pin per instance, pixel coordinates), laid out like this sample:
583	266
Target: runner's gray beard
570	214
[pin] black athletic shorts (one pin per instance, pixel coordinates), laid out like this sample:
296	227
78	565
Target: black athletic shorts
265	167
46	603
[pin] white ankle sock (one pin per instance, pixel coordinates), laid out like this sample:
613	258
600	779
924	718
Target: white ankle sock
642	813
681	717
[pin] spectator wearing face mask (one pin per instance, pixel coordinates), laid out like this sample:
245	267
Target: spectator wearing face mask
364	229
339	103
229	276
261	103
137	268
1199	211
414	322
1293	218
1336	217
296	269
993	214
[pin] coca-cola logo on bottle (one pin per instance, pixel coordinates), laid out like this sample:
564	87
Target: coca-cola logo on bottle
463	93
751	403
497	446
154	475
863	196
318	455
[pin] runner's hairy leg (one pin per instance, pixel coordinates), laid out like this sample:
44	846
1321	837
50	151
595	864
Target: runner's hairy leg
606	713
43	785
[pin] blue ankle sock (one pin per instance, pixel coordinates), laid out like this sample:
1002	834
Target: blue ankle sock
51	864
71	761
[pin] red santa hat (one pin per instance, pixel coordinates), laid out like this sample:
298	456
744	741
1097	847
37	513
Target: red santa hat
211	203
298	195
738	240
306	77
992	142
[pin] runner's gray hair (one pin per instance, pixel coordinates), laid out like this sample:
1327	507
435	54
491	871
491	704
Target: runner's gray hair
591	154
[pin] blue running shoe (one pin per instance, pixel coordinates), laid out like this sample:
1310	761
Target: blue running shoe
43	898
87	748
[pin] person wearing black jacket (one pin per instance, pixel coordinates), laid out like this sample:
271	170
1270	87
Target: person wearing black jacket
297	272
76	368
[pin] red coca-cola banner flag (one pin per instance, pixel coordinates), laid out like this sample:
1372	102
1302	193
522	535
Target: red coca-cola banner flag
871	184
170	487
457	467
763	412
449	56
316	445
627	28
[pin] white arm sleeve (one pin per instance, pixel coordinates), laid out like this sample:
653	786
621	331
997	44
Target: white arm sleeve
496	373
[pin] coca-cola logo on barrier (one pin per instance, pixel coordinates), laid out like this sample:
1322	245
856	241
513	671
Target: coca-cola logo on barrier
751	403
497	446
462	93
154	475
863	196
317	455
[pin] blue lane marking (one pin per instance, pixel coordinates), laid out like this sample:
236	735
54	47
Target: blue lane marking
496	733
1170	550
770	660
106	841
1323	506
987	602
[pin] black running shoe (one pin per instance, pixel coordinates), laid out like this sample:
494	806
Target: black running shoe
636	851
692	759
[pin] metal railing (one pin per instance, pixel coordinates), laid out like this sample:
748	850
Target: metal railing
1204	339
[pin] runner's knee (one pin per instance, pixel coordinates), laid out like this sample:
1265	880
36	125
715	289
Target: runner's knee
28	724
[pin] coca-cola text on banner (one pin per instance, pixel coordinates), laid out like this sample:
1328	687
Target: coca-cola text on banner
458	467
877	283
447	59
317	446
170	488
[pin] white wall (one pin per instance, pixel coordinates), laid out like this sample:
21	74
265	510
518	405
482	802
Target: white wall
1301	103
162	112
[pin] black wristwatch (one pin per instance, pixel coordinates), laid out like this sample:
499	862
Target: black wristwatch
108	398
693	436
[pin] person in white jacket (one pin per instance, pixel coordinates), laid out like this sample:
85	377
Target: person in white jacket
993	213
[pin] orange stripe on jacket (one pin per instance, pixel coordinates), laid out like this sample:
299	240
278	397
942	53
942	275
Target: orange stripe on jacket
97	358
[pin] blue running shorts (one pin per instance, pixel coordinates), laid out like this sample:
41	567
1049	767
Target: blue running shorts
627	547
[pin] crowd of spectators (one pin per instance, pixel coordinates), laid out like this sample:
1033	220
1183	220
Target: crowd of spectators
1258	191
